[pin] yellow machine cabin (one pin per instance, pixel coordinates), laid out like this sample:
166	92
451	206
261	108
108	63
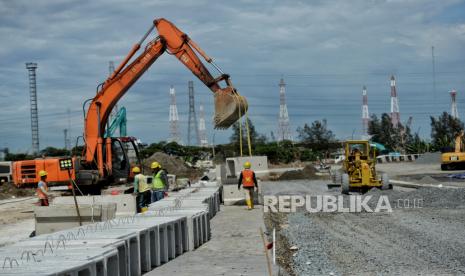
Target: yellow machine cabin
358	171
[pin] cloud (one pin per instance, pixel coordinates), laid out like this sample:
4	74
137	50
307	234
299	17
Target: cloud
325	50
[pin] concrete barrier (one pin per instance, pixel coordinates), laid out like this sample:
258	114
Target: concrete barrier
398	158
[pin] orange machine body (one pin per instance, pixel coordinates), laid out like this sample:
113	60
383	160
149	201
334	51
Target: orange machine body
26	172
97	164
171	40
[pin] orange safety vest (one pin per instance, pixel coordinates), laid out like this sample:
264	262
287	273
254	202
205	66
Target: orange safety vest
39	191
247	178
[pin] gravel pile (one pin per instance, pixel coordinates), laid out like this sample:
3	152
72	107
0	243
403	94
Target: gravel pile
308	172
310	255
429	158
407	241
428	180
431	196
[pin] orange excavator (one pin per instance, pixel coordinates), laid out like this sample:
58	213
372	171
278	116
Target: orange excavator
106	160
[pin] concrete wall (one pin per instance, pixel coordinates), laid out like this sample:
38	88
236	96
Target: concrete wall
220	173
234	165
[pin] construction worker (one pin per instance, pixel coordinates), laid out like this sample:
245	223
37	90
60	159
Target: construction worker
42	189
142	189
160	182
248	180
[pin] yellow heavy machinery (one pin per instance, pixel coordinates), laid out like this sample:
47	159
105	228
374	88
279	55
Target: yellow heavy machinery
454	160
358	172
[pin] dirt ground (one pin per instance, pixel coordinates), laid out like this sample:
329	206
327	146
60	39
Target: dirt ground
8	191
16	219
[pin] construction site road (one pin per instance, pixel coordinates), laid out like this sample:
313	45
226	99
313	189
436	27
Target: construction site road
16	219
236	247
427	240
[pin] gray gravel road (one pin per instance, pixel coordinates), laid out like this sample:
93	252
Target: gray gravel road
421	241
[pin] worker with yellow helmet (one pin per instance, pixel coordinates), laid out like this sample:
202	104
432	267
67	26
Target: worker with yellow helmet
42	189
248	180
142	189
160	182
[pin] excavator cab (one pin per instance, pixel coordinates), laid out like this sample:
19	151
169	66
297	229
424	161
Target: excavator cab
124	156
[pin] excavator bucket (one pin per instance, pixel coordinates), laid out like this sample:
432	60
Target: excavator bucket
229	107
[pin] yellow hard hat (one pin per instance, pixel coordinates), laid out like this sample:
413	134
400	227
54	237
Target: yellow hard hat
247	165
155	165
136	170
42	173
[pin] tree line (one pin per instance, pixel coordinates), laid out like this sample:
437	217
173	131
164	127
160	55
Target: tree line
314	141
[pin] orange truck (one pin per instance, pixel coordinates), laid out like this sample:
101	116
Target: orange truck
106	160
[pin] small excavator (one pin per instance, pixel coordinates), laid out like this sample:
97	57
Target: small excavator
454	160
105	159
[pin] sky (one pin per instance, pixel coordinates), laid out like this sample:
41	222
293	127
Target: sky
326	51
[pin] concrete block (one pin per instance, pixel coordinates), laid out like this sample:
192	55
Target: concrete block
192	231
220	173
233	196
126	245
125	203
234	165
60	217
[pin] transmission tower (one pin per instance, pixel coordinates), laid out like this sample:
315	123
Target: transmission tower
365	114
31	67
433	61
284	130
395	114
68	146
272	137
111	69
453	107
192	128
65	132
174	118
202	128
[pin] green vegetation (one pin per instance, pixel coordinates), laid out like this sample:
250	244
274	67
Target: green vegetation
383	131
443	131
315	141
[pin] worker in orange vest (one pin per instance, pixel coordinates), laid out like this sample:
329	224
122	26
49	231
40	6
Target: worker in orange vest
248	180
42	189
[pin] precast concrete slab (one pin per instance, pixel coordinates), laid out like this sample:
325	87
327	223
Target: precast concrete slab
123	246
125	203
174	203
86	261
195	233
51	219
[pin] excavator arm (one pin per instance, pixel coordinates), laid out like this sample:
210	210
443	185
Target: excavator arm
229	105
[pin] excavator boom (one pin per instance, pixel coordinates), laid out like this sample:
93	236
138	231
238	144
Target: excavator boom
229	105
